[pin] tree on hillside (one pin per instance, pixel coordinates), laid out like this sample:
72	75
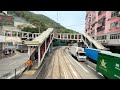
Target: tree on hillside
40	21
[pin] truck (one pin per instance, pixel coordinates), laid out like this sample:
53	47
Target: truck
22	48
78	52
9	48
108	65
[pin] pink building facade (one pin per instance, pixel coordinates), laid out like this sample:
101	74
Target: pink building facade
103	26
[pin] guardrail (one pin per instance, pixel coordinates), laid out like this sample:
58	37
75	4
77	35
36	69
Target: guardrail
14	74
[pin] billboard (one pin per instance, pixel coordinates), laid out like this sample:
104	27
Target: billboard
6	20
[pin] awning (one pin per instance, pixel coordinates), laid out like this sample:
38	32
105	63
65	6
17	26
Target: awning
13	39
9	39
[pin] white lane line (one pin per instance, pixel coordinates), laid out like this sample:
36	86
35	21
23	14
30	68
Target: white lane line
95	70
12	63
66	76
79	64
91	68
73	71
83	68
100	74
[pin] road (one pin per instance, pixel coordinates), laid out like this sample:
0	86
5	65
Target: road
10	63
64	66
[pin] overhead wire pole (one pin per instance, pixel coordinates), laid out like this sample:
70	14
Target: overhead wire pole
39	29
56	26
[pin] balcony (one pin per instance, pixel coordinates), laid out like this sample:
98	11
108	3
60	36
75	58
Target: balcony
102	28
115	29
115	13
99	25
101	15
93	28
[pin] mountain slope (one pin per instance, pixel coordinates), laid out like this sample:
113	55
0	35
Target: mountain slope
40	21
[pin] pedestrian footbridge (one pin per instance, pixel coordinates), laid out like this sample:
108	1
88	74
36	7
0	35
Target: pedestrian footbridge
43	43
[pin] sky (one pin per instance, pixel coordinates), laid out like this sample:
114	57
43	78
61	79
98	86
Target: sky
74	20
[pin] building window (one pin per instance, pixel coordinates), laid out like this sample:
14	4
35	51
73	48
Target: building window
112	25
103	37
100	28
93	18
115	36
102	21
115	13
118	36
100	12
115	24
118	24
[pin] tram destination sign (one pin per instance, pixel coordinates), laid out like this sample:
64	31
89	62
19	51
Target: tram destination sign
6	20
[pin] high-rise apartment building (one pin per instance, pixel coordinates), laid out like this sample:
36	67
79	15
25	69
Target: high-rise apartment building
104	26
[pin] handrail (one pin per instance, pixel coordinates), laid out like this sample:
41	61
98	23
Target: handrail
95	42
15	73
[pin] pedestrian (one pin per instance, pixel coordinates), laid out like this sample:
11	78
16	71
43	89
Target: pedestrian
29	64
36	56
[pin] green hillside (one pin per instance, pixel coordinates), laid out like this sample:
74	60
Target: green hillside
39	20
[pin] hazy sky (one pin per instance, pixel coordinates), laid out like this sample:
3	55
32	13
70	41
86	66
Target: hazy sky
70	19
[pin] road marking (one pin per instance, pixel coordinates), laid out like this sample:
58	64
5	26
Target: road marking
83	68
95	70
91	68
79	64
100	74
73	71
12	63
66	76
30	72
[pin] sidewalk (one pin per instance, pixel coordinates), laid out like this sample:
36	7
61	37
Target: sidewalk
32	74
29	74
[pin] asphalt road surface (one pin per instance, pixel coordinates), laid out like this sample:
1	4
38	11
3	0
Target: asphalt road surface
63	66
10	63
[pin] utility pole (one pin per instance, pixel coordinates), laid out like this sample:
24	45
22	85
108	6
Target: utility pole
39	29
56	26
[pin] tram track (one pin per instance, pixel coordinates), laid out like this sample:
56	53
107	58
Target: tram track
72	69
43	71
60	65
